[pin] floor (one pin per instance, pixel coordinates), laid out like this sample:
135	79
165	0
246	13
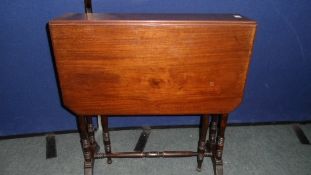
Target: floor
249	150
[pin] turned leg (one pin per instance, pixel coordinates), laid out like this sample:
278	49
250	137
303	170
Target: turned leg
86	146
90	129
107	144
202	141
217	158
211	144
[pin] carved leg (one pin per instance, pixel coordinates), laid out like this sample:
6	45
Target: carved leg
202	140
86	146
90	129
107	143
211	144
217	158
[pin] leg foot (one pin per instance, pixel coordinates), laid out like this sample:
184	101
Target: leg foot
88	168
218	168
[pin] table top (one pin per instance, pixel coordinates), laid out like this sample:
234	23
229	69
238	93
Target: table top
152	64
152	17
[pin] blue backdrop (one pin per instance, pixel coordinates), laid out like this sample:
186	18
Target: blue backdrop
278	86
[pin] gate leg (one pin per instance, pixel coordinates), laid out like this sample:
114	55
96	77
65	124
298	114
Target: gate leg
86	146
217	158
107	144
202	140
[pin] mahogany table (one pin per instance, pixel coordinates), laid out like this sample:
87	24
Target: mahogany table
152	64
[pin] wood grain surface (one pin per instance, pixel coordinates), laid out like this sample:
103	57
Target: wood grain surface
154	65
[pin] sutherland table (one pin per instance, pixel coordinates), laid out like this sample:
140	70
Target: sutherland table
152	64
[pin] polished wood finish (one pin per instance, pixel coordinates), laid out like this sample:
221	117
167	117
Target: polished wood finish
154	64
115	65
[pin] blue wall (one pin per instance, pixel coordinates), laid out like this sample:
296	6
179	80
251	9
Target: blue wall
278	86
